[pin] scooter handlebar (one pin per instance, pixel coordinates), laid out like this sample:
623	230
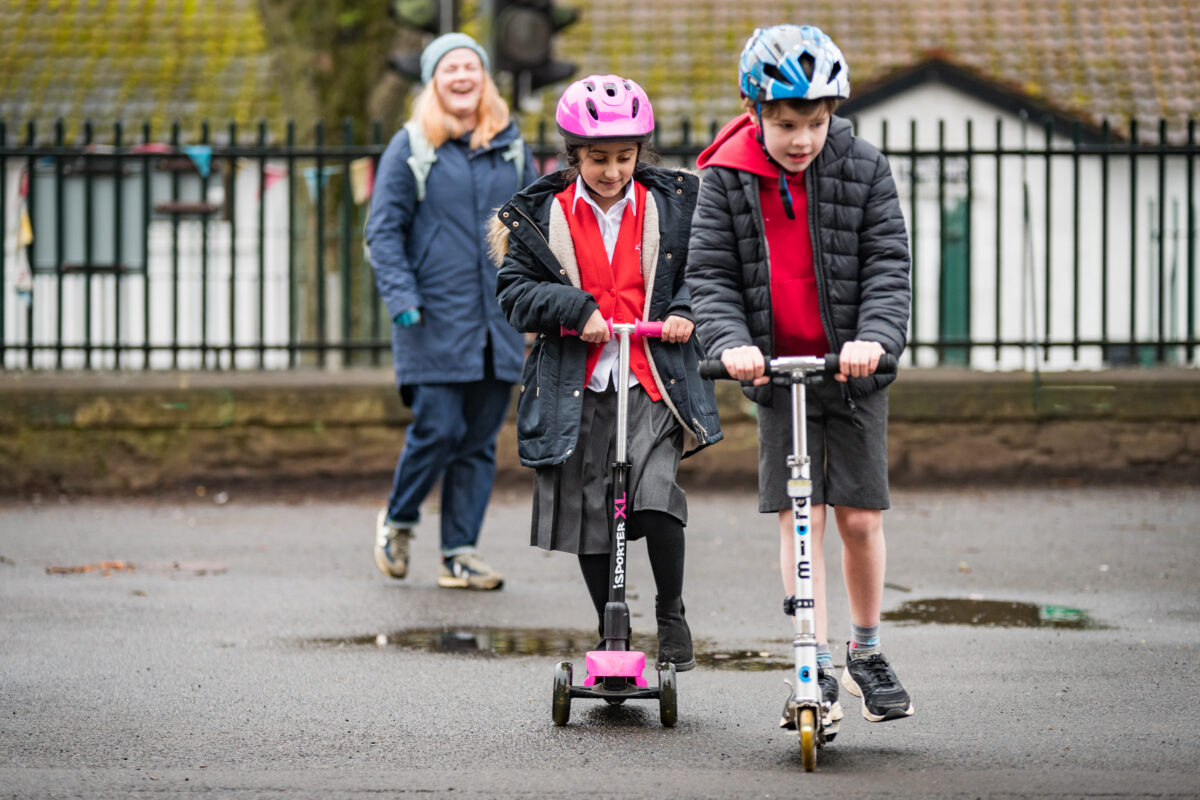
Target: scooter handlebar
886	365
714	368
641	328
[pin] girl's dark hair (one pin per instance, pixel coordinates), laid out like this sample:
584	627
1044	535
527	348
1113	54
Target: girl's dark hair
570	160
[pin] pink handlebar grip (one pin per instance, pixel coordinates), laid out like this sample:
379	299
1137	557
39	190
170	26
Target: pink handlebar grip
646	328
649	329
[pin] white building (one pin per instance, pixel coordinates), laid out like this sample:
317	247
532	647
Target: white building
1039	251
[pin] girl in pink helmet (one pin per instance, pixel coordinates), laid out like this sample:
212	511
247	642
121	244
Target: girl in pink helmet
605	238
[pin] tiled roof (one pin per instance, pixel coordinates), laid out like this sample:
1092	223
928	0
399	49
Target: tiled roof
1091	58
133	60
188	60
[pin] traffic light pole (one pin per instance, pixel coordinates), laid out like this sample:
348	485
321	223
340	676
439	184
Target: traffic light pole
487	9
448	22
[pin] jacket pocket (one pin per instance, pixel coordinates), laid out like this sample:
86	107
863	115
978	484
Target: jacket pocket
531	407
423	236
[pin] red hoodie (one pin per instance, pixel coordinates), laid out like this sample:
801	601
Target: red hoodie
795	312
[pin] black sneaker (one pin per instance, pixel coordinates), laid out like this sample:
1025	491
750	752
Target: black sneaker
868	675
829	696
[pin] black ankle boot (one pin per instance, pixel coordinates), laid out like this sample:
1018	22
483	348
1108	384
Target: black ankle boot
674	637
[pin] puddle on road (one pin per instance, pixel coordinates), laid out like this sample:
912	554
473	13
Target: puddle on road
491	642
990	614
743	660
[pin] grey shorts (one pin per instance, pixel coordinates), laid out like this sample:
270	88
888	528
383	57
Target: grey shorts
849	464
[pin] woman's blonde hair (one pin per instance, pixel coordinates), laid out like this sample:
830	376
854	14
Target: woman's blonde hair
439	127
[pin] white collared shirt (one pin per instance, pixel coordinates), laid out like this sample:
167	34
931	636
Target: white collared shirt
605	373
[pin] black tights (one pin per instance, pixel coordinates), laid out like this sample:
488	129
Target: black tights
664	544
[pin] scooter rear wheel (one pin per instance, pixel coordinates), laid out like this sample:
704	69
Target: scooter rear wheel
562	692
668	711
806	726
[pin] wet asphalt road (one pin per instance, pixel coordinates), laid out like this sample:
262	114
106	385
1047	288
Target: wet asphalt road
254	651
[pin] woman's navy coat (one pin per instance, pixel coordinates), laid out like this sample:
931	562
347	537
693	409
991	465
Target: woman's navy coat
432	255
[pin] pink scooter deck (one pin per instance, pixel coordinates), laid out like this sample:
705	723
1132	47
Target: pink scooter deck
603	664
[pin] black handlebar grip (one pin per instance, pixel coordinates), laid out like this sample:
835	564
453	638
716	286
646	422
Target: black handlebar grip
712	369
886	365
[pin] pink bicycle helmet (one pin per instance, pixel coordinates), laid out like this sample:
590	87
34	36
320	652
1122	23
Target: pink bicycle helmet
604	107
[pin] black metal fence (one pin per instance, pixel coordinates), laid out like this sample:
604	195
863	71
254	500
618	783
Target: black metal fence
1033	246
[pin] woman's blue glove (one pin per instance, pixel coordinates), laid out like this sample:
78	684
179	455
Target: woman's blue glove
406	319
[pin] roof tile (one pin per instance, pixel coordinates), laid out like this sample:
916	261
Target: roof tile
1096	59
132	60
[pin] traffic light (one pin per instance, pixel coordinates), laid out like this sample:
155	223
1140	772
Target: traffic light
429	16
523	34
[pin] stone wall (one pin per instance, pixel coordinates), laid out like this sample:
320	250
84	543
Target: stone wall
121	433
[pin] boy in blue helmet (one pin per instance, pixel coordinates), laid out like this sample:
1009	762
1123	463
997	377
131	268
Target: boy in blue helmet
799	248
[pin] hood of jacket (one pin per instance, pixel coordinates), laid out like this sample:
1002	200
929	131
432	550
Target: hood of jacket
737	146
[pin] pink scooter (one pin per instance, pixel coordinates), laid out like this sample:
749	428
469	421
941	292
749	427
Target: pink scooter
614	674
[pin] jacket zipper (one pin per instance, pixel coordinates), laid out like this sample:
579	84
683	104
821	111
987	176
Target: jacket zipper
533	225
696	422
756	204
818	260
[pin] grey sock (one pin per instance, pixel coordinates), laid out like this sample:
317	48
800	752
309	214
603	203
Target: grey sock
865	639
824	657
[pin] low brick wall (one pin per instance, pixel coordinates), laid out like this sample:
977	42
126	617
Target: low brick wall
118	433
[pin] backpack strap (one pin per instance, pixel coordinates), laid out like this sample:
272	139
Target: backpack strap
515	152
422	157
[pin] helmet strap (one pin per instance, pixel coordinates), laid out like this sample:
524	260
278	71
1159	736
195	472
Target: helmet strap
785	194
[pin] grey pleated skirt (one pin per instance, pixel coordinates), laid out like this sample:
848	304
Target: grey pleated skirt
571	501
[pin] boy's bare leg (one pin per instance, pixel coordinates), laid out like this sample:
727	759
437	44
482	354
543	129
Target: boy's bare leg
864	558
787	564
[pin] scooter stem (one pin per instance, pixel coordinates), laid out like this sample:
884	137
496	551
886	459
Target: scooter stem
622	331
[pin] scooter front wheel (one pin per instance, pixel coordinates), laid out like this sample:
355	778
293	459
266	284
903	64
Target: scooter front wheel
668	710
562	692
806	726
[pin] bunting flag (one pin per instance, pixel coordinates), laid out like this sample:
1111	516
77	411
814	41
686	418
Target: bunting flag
156	148
23	285
362	179
272	174
310	178
201	156
25	229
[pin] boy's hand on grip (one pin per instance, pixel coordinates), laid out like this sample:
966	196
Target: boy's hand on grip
858	359
745	363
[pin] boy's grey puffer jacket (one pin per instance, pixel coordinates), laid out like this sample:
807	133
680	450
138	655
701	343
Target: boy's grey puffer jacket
860	255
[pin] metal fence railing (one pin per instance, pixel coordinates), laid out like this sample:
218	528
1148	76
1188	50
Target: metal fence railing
226	250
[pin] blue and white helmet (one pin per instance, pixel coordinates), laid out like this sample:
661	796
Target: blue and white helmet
771	66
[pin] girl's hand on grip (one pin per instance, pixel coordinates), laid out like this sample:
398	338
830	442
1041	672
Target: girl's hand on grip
677	330
745	364
596	329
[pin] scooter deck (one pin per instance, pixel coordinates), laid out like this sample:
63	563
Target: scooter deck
601	664
598	692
